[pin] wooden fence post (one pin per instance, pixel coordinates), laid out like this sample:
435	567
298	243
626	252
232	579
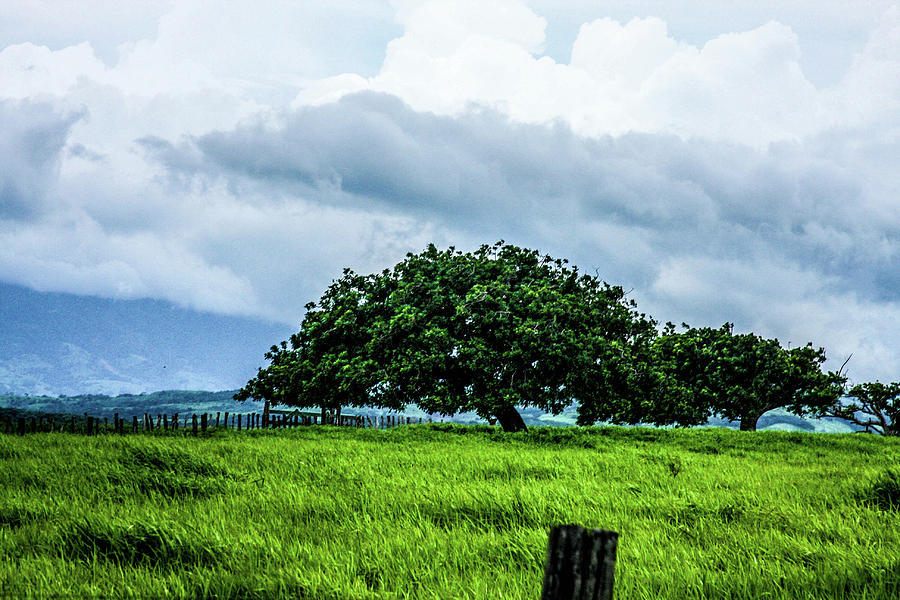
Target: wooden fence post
165	422
580	565
90	426
194	423
239	421
217	419
226	419
134	424
203	422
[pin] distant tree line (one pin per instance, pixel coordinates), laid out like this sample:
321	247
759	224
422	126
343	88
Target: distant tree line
503	326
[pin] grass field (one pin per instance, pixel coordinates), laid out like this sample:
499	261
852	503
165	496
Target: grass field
446	511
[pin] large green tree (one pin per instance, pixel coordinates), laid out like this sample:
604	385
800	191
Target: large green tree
456	331
708	371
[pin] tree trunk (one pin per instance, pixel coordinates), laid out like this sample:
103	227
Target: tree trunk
510	419
748	422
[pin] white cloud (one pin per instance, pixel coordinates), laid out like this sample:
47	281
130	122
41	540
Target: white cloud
745	87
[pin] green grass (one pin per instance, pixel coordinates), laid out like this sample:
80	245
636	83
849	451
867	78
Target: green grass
446	511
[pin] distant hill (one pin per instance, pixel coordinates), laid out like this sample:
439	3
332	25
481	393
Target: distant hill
53	344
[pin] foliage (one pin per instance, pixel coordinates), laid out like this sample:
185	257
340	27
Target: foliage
873	405
480	331
737	376
445	512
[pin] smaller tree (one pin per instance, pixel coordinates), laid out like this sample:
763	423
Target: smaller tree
741	376
873	405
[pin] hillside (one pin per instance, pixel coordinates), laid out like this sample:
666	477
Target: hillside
53	344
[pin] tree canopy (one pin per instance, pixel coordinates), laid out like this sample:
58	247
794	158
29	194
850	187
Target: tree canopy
457	331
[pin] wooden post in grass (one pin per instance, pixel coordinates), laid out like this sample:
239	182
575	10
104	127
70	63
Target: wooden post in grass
580	564
202	423
134	424
194	424
90	426
226	419
165	422
217	419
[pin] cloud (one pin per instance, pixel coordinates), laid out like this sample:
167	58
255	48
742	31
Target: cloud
31	144
743	87
235	158
646	209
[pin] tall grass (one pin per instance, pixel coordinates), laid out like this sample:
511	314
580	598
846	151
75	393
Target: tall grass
446	511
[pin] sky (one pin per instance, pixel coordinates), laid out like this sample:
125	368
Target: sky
725	162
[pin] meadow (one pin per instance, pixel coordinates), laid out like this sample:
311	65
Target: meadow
446	511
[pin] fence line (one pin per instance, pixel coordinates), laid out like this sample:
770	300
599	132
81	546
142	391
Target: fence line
195	424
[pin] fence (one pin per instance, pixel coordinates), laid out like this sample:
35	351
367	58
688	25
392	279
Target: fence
194	424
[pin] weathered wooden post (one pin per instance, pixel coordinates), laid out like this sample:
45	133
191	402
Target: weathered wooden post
90	426
165	422
226	419
239	421
217	419
203	422
194	424
580	564
134	424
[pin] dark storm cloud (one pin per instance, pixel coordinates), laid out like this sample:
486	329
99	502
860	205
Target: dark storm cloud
484	175
32	138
